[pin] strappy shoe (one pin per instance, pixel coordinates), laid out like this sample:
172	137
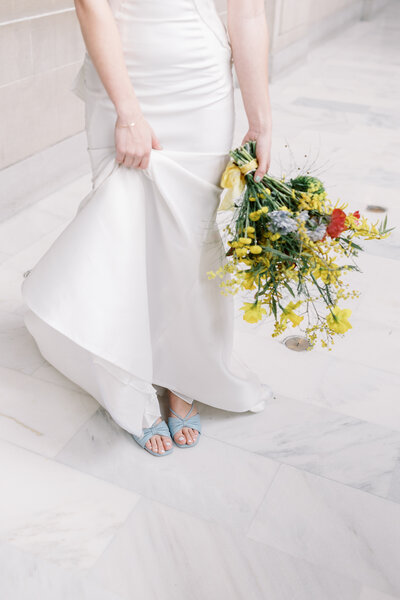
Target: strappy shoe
160	428
176	423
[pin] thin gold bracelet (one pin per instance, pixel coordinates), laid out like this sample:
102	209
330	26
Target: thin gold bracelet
128	125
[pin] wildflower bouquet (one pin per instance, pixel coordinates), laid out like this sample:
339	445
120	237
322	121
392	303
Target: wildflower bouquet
284	246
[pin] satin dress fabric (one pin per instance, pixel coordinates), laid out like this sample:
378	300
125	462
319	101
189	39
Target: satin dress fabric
121	303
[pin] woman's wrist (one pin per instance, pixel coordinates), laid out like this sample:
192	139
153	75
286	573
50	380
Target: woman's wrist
261	123
128	110
260	127
129	115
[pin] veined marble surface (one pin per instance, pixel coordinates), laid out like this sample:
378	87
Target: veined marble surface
332	525
56	512
371	594
39	415
204	560
298	502
360	454
219	483
29	577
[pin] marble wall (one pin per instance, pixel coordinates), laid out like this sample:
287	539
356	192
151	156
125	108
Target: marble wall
41	47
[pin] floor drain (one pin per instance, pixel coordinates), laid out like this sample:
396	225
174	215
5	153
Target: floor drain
376	208
297	343
27	273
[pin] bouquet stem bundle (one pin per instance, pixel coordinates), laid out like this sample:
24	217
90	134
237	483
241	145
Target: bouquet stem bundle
285	242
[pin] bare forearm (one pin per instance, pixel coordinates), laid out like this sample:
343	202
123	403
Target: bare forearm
103	43
248	33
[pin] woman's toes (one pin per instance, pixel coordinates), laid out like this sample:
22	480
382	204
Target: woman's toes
189	439
154	445
148	444
160	445
180	438
167	443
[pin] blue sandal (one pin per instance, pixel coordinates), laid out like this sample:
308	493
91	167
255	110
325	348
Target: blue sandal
148	432
176	423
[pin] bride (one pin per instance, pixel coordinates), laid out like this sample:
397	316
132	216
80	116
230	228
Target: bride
121	303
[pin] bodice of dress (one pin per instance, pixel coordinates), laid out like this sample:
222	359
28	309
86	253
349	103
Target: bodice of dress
176	51
173	10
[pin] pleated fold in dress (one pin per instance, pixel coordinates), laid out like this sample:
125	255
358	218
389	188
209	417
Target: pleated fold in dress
121	303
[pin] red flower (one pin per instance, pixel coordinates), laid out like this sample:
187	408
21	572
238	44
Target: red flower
336	225
356	214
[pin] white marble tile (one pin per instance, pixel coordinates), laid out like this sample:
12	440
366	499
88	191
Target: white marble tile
10	289
163	553
371	343
24	576
334	526
55	512
341	384
370	594
64	202
9	321
39	415
47	372
3	257
360	454
357	379
339	85
214	481
27	258
379	284
25	228
18	349
360	391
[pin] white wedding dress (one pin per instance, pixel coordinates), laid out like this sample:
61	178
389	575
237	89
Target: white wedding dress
121	303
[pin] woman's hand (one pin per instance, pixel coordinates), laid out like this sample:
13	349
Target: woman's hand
133	145
263	150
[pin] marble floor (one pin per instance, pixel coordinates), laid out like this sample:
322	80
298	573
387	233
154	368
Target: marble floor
299	502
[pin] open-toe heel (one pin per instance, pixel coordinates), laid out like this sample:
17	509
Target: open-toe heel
160	428
176	423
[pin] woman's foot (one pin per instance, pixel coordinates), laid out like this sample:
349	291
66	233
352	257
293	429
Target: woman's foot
186	435
159	443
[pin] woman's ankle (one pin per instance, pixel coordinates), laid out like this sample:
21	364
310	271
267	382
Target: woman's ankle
177	403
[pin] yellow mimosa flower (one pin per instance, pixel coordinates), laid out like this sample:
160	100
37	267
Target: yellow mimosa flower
250	229
341	323
248	281
255	249
254	216
241	252
245	240
253	312
288	314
